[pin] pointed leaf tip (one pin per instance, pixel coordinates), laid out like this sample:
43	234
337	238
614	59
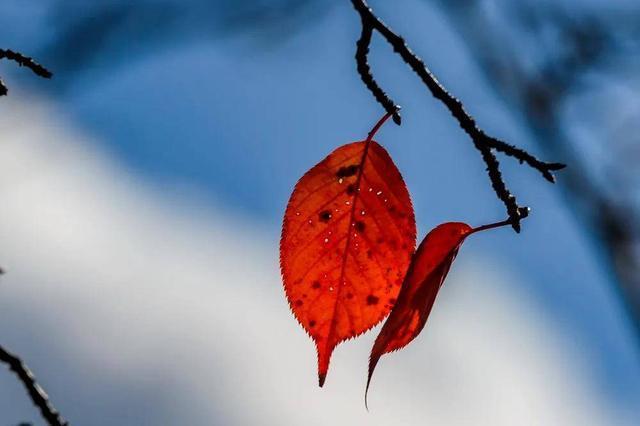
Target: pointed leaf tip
347	238
429	267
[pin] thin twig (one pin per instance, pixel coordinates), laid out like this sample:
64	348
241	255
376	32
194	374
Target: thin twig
23	61
364	70
484	143
592	43
36	393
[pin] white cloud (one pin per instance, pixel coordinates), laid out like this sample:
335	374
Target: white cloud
134	294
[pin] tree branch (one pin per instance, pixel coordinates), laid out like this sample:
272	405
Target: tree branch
593	43
23	61
364	70
484	143
38	396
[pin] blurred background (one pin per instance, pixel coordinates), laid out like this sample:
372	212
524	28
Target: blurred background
143	189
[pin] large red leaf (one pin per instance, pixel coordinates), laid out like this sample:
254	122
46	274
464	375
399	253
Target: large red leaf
429	267
347	239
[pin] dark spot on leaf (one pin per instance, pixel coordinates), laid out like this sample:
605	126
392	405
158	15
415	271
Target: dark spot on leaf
351	189
347	171
392	209
316	285
392	300
324	216
369	254
349	295
312	323
299	302
380	240
360	226
372	300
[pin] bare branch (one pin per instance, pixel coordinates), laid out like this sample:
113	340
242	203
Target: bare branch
23	61
364	70
38	396
524	157
484	143
597	42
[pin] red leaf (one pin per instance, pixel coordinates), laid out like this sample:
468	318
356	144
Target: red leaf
429	268
347	239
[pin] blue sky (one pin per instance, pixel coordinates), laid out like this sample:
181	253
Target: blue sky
233	121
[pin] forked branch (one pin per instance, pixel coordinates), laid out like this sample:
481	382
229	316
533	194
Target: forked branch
484	143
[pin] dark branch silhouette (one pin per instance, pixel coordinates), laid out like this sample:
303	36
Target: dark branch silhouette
23	61
593	42
37	394
484	143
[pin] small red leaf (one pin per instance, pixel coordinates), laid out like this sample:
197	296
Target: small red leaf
429	267
347	238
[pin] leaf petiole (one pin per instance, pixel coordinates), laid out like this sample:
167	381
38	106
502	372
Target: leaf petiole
523	212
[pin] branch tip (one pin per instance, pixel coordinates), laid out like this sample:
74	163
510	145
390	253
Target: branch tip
22	61
37	394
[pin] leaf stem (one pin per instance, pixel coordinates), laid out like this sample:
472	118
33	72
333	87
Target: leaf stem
378	125
522	213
